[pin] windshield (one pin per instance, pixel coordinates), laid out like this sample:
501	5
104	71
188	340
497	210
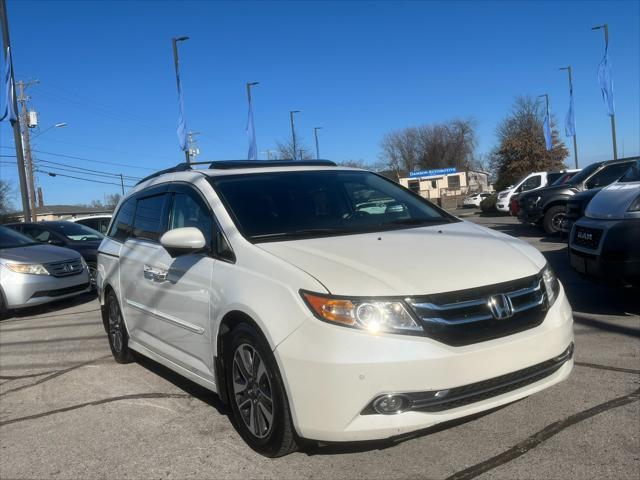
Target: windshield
11	239
633	174
583	174
281	205
77	231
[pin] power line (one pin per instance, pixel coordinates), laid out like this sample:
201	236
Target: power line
87	169
107	175
88	159
54	174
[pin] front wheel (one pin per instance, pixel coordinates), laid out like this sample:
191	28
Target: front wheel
553	219
93	271
258	400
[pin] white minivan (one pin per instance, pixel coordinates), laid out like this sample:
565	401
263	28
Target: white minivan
315	316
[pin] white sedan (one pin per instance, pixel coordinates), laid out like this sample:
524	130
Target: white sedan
475	199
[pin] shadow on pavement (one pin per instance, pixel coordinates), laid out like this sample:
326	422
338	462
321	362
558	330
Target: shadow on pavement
56	306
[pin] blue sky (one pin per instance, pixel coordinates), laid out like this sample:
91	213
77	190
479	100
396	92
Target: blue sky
358	69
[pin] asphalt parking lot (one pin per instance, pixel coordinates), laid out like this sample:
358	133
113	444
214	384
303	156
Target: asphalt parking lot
67	410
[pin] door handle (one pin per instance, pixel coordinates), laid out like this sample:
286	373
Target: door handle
154	274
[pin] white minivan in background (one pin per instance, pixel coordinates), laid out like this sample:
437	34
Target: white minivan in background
530	182
313	315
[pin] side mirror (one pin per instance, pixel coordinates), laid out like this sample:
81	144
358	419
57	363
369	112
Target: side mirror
181	241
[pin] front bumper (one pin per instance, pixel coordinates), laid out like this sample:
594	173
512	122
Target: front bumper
24	290
332	374
502	205
614	257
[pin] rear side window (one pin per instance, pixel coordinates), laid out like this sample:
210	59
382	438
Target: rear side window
121	227
148	223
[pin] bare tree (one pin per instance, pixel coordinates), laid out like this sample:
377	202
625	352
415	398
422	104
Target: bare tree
6	193
284	150
111	201
449	144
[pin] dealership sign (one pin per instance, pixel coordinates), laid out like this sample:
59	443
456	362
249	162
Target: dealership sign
431	173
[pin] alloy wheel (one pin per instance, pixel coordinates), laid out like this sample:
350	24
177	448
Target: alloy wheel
252	390
115	325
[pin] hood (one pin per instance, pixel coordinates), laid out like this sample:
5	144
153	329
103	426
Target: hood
414	261
37	254
612	202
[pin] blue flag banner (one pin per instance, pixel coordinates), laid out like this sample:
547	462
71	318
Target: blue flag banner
606	85
251	135
182	123
9	110
570	121
547	130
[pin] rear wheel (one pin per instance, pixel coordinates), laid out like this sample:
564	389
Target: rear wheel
258	400
93	270
117	332
553	219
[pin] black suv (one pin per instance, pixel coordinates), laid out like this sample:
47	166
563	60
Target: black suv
547	206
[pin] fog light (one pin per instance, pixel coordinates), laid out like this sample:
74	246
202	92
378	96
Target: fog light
390	404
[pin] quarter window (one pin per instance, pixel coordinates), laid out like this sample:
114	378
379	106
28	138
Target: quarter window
148	222
189	212
121	227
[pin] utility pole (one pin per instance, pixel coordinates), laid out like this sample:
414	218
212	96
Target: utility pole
24	115
40	198
575	141
122	183
293	131
612	115
192	146
17	137
315	133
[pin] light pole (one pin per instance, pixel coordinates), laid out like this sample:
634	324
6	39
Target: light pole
251	129
611	114
182	126
315	133
575	141
293	131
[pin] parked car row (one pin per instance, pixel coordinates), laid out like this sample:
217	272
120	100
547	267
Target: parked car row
41	262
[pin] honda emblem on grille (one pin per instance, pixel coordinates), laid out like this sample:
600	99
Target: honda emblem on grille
500	306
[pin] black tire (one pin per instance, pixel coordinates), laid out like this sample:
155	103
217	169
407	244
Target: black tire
263	386
4	312
117	332
553	218
93	271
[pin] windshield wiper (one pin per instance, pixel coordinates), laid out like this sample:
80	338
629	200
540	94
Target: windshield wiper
414	221
303	232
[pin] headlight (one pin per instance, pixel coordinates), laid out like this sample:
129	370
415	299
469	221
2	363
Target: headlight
635	205
502	195
33	269
371	315
551	285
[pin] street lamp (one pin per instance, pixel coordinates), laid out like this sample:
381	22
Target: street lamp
293	131
315	133
575	141
612	115
57	125
176	62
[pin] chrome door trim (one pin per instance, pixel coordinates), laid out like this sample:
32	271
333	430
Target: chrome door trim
165	317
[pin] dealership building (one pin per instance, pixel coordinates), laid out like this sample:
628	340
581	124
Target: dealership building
443	183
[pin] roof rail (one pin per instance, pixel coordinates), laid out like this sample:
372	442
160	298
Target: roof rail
231	164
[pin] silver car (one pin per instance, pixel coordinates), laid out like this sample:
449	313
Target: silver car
32	273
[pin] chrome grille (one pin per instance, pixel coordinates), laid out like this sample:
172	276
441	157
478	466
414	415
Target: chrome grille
66	268
466	316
